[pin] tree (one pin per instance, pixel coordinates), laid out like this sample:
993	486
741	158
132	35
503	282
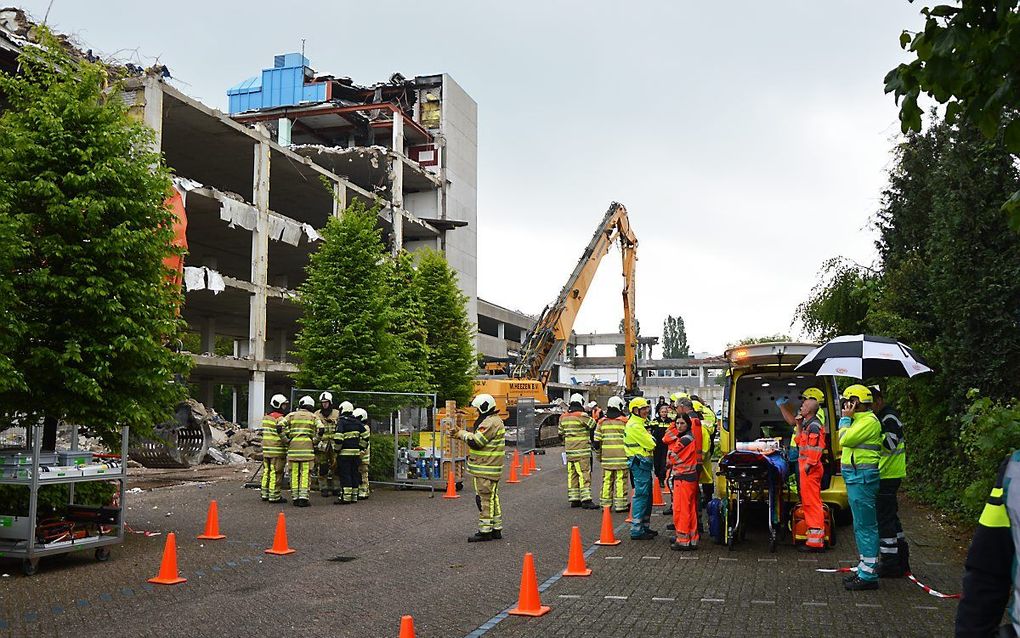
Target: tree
94	304
451	336
840	302
345	340
674	338
749	341
408	326
966	59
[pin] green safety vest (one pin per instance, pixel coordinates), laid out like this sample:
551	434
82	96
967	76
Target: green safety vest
636	439
613	453
861	441
486	448
893	463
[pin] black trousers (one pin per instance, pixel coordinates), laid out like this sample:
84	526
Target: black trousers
350	473
892	543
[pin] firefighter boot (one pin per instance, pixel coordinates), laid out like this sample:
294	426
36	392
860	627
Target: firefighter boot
481	537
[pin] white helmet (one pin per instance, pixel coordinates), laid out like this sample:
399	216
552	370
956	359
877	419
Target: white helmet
306	402
618	403
576	398
346	407
278	401
484	403
326	396
590	405
361	414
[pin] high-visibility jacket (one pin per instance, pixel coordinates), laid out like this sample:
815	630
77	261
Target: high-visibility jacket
811	441
860	437
707	432
609	434
893	463
347	438
329	419
796	431
636	439
684	453
993	561
299	429
366	443
273	445
576	429
486	443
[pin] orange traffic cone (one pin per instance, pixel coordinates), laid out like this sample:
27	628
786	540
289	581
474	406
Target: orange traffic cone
525	466
513	475
657	494
280	547
451	484
575	560
630	515
528	601
212	524
406	627
168	567
516	462
607	537
534	468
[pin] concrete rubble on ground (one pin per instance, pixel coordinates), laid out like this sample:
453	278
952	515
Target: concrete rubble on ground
231	444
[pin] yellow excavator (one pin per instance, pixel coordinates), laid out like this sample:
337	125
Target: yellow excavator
530	373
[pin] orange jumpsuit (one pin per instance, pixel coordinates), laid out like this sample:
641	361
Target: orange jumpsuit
811	443
684	462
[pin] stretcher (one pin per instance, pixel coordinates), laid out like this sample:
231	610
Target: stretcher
752	477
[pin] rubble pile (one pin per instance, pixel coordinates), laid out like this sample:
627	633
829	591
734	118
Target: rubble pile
231	444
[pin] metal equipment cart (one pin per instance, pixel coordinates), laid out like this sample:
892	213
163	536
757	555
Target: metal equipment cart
19	535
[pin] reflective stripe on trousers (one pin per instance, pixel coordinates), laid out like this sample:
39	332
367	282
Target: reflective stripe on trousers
685	510
613	489
300	472
579	479
811	503
641	477
490	515
272	477
862	491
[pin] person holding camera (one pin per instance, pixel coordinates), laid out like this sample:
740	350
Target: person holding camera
860	436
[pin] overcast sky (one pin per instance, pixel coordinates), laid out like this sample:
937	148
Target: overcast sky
748	140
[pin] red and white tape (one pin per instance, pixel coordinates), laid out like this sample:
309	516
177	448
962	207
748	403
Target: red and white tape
913	579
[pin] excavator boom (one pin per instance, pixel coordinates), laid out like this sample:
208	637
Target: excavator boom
546	340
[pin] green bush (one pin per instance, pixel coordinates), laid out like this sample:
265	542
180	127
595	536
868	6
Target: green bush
381	466
990	431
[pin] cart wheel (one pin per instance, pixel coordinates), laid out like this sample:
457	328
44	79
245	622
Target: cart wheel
103	554
772	543
29	566
730	539
460	485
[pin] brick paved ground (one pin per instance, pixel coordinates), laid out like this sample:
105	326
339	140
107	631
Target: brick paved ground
410	556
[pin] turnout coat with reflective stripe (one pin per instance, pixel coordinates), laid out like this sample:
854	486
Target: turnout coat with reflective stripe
486	443
299	428
576	428
612	454
273	445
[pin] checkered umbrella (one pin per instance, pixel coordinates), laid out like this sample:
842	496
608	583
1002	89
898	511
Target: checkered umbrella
863	357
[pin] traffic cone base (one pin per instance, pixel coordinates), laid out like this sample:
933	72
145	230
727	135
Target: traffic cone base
168	566
528	601
406	627
212	524
575	561
451	485
280	547
607	536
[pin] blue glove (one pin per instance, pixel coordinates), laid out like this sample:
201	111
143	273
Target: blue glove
845	422
782	401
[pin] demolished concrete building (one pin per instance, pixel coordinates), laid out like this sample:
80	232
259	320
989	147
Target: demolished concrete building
253	189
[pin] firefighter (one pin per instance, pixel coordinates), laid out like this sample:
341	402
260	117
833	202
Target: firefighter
811	440
894	553
274	450
860	435
366	452
594	411
684	462
298	429
639	446
993	562
612	454
485	464
347	444
576	429
325	459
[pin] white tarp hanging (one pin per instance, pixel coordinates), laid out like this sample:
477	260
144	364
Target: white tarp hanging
203	278
237	213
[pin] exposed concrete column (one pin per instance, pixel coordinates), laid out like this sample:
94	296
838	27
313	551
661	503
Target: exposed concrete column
259	277
501	330
283	344
339	199
207	392
209	334
397	182
702	376
283	131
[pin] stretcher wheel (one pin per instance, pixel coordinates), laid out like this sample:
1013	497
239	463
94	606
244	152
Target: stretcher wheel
29	566
459	485
772	543
103	554
731	540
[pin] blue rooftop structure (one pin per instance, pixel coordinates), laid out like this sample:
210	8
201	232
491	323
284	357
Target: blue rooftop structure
285	84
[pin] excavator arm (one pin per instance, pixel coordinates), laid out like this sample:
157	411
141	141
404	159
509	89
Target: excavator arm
546	340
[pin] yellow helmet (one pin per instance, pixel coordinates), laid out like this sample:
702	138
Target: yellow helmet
859	392
637	403
698	406
813	393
